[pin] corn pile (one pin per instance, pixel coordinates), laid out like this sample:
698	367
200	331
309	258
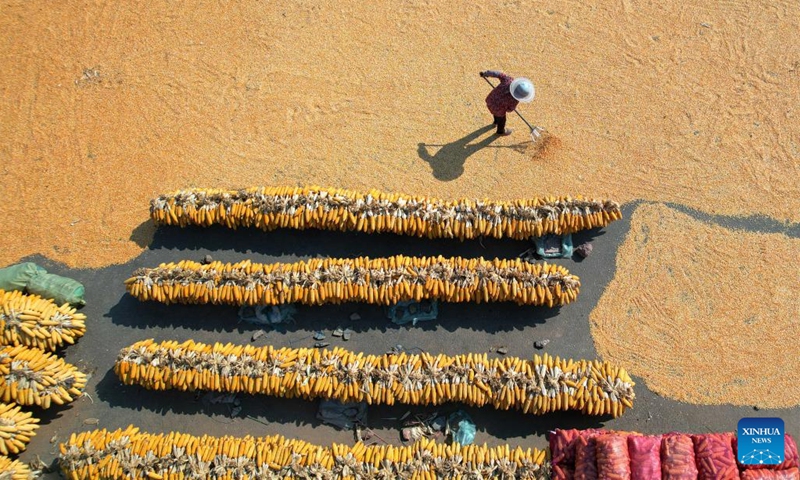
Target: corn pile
14	470
269	208
16	428
34	321
29	376
536	386
132	455
383	281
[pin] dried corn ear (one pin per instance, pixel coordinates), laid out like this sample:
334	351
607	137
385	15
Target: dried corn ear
269	208
16	428
543	384
384	281
34	321
14	470
128	454
29	376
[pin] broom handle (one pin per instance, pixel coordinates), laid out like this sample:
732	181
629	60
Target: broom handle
515	110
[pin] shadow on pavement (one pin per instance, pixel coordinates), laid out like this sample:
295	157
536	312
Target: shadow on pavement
130	312
195	242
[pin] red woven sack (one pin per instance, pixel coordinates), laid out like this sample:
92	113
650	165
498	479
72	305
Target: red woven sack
562	472
790	456
613	461
714	456
562	446
677	458
790	474
585	458
645	453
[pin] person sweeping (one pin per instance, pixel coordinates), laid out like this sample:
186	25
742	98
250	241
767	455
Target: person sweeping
505	97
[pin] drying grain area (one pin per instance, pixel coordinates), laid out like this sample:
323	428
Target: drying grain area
683	112
706	314
107	104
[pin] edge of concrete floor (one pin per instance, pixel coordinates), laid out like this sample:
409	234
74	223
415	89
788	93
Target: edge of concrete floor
115	320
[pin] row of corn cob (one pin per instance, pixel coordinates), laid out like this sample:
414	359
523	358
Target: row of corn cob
383	281
16	428
14	470
29	376
269	208
34	321
132	455
543	384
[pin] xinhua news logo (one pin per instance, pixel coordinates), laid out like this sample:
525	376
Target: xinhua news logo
761	441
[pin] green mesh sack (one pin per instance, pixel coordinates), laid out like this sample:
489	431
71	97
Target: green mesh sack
16	277
59	289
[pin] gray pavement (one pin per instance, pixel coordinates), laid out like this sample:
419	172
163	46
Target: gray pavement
115	320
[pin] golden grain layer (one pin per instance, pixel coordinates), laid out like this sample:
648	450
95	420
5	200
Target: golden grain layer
540	385
383	281
705	291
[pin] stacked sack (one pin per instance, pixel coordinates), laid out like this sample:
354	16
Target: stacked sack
595	454
300	208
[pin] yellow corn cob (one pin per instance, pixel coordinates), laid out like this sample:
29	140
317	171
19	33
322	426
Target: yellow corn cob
383	281
100	454
29	376
16	428
34	321
269	208
14	470
536	386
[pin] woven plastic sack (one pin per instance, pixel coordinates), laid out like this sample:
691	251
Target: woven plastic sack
59	289
714	456
613	461
562	472
586	457
462	427
562	446
677	458
790	456
762	474
645	453
16	277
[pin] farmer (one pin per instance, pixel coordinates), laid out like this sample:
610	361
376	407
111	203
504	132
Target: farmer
505	97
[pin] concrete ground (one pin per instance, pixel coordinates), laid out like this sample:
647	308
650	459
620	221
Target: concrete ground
115	320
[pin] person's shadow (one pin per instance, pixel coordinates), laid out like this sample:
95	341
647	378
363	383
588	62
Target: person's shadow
448	162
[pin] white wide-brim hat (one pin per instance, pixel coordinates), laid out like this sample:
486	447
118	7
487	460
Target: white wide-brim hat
522	90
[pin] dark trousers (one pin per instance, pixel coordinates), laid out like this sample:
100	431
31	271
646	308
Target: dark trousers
501	124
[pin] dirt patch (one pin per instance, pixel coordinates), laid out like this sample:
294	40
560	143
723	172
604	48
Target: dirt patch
105	105
706	315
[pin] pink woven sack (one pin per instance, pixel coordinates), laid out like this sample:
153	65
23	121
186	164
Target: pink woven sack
645	453
714	456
